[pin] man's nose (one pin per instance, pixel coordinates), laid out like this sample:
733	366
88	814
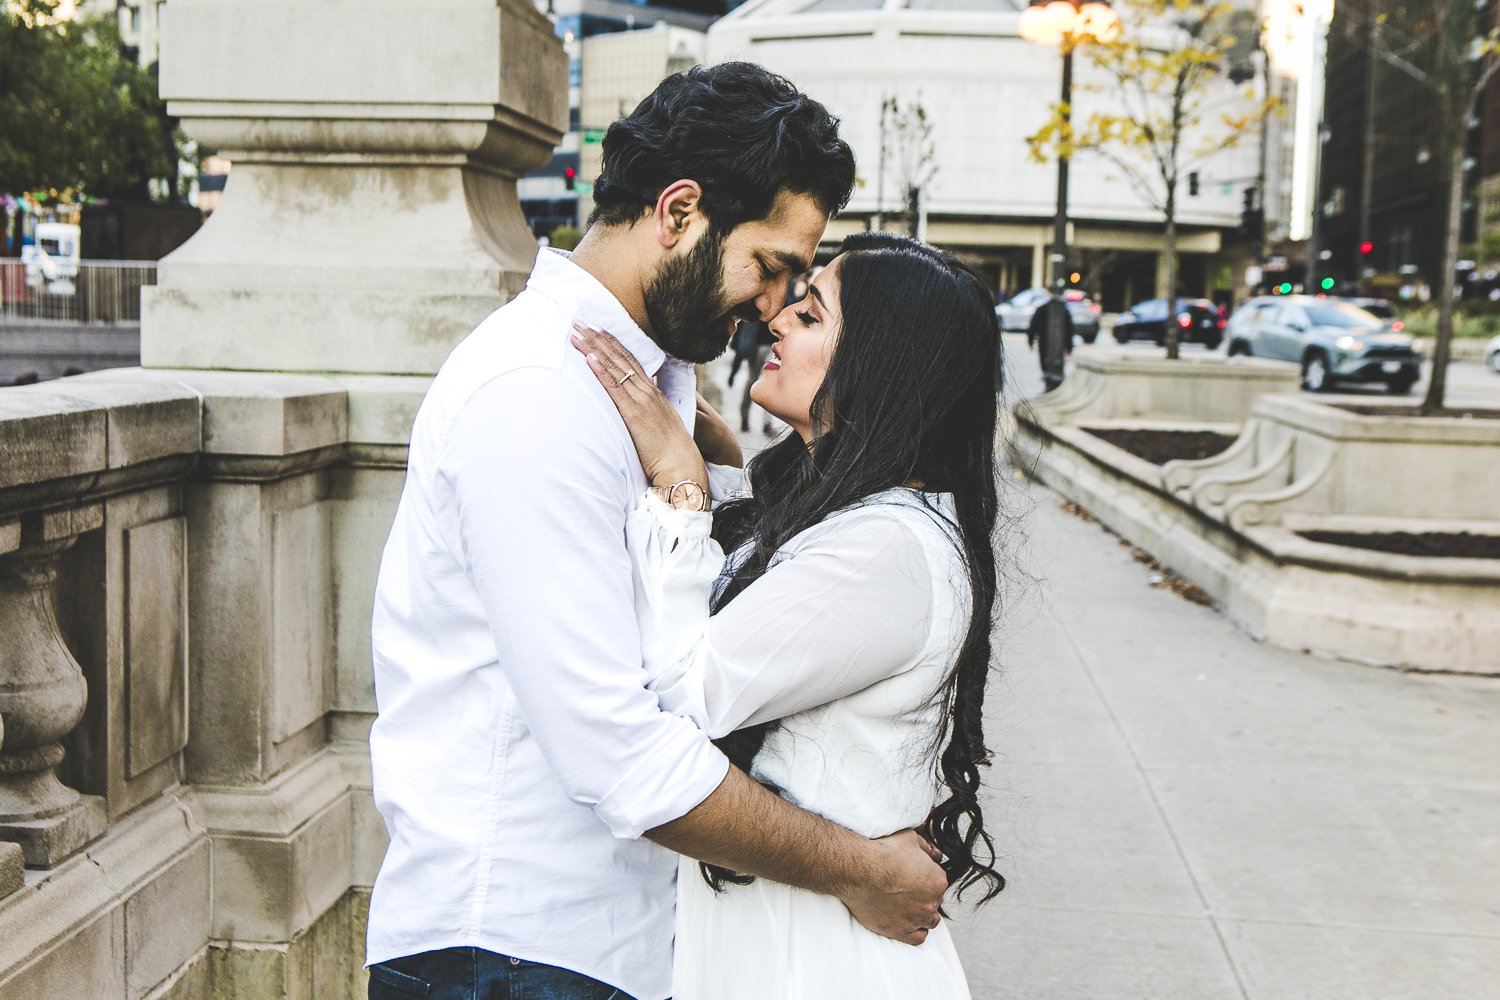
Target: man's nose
769	303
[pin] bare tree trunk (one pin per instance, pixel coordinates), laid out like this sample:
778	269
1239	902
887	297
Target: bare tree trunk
1170	249
1437	386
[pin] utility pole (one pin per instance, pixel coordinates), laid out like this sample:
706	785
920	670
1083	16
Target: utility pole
885	106
1314	237
1258	236
1367	176
1056	346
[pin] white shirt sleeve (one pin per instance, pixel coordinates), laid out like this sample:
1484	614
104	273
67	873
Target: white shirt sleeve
540	498
726	482
849	607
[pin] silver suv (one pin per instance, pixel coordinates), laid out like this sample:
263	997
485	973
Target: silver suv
1333	341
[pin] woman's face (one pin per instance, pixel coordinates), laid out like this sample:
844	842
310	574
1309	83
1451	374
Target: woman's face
806	333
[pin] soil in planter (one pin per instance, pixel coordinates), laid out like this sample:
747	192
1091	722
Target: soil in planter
1160	447
1442	545
1461	413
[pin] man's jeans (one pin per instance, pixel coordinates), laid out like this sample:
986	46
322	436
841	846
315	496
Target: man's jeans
476	974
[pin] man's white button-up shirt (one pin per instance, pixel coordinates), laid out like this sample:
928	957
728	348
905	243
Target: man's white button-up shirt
518	756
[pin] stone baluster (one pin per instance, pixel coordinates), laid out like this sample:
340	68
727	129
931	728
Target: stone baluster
42	697
11	861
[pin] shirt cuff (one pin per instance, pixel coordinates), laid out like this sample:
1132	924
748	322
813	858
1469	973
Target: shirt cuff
727	482
671	781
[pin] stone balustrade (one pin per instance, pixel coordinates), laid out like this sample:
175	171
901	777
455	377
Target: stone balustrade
179	552
188	549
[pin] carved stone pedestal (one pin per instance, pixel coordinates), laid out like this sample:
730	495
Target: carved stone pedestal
42	696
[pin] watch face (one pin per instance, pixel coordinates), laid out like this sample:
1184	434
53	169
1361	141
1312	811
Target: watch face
687	496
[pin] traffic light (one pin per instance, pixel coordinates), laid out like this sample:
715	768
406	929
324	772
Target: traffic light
570	177
1252	217
1366	248
1327	284
1193	184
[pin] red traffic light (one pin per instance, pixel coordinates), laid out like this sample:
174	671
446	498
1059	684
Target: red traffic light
1366	247
570	175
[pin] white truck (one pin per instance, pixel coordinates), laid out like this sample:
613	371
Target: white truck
52	261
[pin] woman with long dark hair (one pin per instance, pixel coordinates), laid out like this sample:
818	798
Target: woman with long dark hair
839	652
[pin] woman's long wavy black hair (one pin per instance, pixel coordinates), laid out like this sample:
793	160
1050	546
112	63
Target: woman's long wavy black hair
909	398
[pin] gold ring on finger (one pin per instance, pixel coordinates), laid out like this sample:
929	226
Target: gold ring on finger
627	377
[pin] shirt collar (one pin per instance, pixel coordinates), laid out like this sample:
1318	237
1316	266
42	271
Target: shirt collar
581	295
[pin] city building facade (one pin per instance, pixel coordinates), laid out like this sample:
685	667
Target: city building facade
984	90
550	196
1384	183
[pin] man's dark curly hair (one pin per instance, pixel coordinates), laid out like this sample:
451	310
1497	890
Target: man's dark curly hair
743	133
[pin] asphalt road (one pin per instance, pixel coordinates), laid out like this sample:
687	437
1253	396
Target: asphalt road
1469	383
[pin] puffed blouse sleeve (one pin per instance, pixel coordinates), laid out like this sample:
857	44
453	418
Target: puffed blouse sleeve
845	605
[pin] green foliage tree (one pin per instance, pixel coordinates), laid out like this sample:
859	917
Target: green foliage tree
77	117
565	237
1158	74
1450	48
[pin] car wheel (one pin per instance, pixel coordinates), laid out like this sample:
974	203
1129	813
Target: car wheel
1315	377
1212	343
1089	338
1495	362
1239	349
1399	387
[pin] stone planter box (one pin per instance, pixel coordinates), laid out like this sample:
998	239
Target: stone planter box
1232	525
1120	386
1297	456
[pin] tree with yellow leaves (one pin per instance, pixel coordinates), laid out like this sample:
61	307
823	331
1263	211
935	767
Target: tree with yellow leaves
1167	81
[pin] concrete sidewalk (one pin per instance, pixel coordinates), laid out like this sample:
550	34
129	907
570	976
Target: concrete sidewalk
1186	813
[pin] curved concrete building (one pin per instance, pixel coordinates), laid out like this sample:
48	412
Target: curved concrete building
985	90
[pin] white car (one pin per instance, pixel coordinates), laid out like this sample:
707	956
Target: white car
1492	355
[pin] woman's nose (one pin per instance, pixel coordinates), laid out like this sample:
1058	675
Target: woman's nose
778	323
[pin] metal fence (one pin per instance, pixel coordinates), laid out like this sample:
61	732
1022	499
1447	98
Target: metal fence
93	291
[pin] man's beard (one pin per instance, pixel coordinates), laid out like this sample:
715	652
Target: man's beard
685	303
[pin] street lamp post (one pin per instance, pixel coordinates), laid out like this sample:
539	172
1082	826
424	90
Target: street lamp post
1066	24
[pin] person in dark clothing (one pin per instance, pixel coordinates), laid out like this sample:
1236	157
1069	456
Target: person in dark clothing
752	341
1055	338
752	344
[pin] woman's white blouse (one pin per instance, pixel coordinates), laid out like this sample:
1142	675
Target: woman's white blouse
845	639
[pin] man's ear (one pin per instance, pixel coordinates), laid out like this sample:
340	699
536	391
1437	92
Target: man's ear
678	210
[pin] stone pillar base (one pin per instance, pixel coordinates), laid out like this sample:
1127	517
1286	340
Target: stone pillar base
46	842
12	869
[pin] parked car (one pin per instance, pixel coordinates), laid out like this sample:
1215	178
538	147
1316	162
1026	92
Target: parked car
1492	355
1333	340
1379	308
1016	312
1198	322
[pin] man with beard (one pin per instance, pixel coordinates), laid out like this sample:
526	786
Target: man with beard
533	789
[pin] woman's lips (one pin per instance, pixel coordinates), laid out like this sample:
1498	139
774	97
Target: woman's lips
773	362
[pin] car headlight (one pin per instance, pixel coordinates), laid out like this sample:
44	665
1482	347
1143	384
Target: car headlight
1349	344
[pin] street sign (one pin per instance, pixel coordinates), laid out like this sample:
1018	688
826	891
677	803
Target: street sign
593	136
583	187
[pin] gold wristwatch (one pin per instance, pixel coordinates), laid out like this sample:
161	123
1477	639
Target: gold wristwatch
684	495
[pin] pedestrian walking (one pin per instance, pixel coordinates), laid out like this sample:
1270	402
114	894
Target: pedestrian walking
1052	328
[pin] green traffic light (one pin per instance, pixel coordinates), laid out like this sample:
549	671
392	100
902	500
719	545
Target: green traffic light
1285	288
1327	284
